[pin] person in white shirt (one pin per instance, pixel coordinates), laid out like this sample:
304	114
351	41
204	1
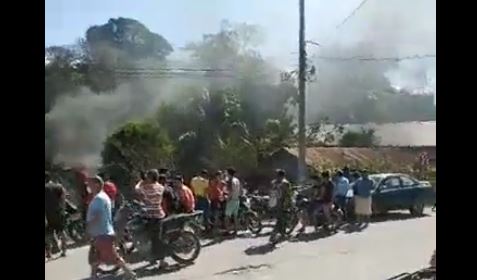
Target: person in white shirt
233	199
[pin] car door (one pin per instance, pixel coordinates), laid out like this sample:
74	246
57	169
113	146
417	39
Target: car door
410	191
387	194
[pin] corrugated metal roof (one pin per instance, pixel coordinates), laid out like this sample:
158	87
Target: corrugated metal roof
339	156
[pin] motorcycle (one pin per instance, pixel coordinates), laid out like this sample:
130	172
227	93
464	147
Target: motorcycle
317	217
180	244
259	204
247	219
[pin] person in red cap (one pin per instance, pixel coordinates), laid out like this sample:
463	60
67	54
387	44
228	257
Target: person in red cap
111	190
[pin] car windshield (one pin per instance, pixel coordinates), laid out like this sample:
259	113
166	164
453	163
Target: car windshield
376	178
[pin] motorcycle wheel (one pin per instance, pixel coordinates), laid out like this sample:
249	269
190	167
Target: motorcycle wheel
185	247
292	222
254	224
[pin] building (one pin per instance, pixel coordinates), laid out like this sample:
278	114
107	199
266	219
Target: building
392	158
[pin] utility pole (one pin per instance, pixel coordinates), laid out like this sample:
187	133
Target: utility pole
302	170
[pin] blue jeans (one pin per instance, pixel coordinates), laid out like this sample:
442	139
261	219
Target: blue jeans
203	205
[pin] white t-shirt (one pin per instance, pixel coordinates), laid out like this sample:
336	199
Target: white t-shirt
235	189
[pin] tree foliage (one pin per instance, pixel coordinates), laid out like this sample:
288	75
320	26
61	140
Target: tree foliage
62	74
137	146
363	138
92	61
238	117
128	38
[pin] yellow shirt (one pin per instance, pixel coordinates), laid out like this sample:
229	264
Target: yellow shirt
200	186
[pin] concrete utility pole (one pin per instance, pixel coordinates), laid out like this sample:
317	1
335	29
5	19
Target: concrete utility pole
302	170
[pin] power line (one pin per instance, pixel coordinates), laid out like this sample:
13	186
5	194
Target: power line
178	69
351	14
361	58
345	20
170	75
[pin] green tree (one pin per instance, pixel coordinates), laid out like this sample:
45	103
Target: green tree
134	147
126	39
63	74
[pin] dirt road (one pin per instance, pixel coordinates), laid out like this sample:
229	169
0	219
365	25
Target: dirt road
384	249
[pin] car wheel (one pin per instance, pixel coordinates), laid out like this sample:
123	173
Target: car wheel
417	209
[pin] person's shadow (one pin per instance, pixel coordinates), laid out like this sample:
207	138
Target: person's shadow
352	228
311	236
144	271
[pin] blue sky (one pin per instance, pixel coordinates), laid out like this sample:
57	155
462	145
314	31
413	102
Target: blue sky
181	21
402	27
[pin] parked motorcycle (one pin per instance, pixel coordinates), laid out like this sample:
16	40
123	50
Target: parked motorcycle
247	219
317	217
259	204
180	244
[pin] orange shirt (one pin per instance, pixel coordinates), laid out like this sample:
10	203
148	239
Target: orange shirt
216	190
187	199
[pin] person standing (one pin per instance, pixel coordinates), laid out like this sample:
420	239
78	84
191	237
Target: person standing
217	199
326	195
184	195
232	205
55	210
314	196
362	198
342	189
100	228
151	193
111	190
168	197
347	173
280	201
200	185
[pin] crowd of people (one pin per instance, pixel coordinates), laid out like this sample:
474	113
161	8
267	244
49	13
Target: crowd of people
163	194
339	190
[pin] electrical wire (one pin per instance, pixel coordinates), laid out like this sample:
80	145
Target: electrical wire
365	59
351	14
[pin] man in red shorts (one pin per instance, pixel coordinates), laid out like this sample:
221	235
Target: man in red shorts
100	228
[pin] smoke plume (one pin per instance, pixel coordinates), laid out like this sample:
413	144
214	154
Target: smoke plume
380	29
80	123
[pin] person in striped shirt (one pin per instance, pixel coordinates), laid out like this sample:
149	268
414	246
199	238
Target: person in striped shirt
151	194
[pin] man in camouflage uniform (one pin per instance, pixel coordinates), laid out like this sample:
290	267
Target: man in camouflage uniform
280	201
